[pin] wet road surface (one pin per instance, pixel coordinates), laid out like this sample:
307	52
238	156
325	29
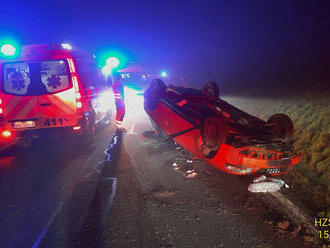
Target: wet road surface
35	183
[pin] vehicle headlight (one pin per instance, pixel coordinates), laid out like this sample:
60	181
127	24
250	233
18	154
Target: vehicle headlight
103	102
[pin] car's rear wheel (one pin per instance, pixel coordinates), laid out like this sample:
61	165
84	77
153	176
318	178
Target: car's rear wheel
281	127
211	89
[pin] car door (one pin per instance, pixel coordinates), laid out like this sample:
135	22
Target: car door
57	105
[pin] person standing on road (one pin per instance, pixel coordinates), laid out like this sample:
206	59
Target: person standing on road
118	91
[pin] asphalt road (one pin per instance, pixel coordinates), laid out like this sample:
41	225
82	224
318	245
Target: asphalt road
158	205
36	183
63	194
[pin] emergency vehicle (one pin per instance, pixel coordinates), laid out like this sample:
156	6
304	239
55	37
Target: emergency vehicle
224	136
50	89
134	76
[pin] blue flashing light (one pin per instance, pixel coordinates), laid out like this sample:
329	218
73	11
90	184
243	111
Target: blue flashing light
115	59
110	64
163	74
106	70
8	50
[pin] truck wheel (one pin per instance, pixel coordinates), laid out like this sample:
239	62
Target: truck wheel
153	94
211	89
281	127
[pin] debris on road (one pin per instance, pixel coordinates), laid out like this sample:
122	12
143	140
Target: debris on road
191	173
264	184
163	194
283	225
259	179
175	166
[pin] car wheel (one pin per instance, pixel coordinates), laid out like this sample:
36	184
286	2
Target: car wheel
86	138
153	94
92	129
211	89
281	127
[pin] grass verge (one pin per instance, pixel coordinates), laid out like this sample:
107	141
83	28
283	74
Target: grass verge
310	113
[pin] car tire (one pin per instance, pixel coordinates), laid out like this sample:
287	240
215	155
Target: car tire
211	89
92	128
86	138
281	127
153	94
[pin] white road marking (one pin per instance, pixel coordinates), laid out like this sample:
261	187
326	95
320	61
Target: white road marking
97	169
48	224
60	206
108	204
112	195
54	214
132	128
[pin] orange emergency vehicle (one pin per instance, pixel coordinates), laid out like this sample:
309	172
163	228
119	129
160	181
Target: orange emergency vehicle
50	89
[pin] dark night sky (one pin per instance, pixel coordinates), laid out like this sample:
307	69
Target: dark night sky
238	43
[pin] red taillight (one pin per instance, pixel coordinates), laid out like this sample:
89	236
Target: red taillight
78	96
79	104
1	110
78	100
71	66
75	85
6	134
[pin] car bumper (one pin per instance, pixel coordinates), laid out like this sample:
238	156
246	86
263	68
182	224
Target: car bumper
231	160
22	136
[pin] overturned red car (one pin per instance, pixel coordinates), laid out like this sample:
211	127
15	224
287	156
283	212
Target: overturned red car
220	134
